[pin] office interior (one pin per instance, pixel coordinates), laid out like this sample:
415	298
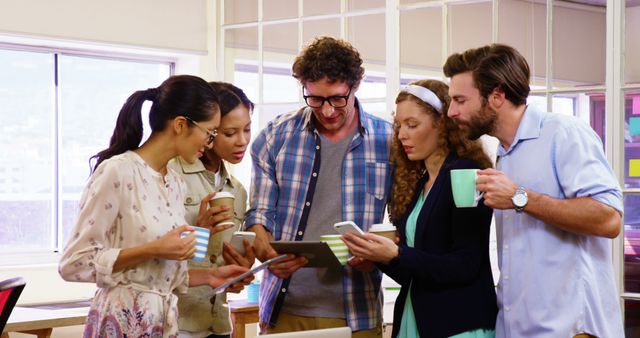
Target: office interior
66	67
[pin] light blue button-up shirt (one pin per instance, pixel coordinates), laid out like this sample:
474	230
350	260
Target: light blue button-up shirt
554	283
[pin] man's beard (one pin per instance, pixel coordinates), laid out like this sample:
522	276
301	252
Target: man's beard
483	122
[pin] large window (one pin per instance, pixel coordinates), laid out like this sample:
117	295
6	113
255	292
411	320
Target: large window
59	110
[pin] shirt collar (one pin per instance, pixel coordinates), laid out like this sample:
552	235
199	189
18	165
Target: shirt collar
309	122
198	166
529	127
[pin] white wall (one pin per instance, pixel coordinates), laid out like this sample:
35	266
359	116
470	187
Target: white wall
632	45
166	24
182	31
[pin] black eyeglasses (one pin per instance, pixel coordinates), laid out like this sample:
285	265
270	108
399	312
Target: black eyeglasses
211	135
337	101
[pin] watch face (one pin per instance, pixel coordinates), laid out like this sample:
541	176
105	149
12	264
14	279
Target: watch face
519	200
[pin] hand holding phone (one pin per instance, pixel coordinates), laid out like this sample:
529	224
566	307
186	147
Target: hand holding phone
347	226
238	236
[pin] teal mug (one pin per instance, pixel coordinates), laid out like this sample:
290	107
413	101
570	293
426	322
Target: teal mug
463	185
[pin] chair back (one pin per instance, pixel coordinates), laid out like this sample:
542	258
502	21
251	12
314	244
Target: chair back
10	290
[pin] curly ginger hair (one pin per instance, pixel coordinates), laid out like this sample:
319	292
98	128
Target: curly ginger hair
408	173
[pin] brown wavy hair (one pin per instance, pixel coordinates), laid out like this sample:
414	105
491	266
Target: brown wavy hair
407	173
331	58
493	66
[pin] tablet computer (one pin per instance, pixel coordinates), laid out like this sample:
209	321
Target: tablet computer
253	270
318	254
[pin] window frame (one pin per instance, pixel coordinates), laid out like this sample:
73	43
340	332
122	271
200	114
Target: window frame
52	254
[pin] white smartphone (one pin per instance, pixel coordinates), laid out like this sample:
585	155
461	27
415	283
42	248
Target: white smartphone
347	226
238	236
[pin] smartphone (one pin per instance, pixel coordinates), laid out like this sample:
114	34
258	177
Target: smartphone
347	226
238	236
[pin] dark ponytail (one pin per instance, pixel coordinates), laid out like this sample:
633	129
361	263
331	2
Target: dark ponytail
179	95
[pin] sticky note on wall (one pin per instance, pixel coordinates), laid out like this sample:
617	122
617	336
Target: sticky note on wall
634	125
634	168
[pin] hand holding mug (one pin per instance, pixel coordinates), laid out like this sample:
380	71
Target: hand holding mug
497	187
172	246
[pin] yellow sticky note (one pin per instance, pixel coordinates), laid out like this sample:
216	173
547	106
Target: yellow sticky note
634	168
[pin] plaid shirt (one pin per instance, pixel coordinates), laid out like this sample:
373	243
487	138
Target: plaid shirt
285	159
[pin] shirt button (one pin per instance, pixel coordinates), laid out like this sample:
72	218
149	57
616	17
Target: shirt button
507	308
506	277
307	204
283	290
314	174
300	233
168	205
189	199
506	246
317	147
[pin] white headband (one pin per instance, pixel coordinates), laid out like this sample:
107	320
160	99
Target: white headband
425	95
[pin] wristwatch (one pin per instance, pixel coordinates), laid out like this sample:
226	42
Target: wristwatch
520	199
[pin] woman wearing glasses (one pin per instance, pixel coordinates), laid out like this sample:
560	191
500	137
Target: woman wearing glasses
127	235
442	260
202	313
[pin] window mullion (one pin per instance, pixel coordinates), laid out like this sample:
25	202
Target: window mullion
56	205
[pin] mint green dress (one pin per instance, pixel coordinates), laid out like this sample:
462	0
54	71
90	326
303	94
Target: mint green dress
408	325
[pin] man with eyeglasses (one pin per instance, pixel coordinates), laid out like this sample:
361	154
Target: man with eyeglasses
325	163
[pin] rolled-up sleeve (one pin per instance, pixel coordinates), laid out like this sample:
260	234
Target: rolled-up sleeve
90	253
582	168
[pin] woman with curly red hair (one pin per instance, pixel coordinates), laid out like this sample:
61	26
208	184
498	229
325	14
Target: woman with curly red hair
442	259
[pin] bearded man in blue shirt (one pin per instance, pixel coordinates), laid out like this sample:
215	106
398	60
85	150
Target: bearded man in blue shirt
557	202
325	163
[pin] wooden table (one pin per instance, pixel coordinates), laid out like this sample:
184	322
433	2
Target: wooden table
41	322
242	312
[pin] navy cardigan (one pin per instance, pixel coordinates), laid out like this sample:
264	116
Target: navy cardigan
452	289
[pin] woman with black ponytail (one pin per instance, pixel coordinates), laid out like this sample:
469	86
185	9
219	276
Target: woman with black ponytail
127	235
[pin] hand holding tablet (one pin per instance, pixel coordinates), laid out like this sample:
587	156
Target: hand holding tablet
260	267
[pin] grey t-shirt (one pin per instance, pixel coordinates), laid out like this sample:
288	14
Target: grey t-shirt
317	292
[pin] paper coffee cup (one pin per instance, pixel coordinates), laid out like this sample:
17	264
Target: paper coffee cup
202	242
337	246
223	198
385	230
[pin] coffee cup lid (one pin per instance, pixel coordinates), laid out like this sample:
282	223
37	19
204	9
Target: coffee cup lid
222	194
382	227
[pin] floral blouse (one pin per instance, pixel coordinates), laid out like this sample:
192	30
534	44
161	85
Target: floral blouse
125	204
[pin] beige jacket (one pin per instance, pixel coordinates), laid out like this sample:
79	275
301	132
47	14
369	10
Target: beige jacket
199	309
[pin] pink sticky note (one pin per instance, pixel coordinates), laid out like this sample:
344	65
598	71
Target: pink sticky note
635	108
